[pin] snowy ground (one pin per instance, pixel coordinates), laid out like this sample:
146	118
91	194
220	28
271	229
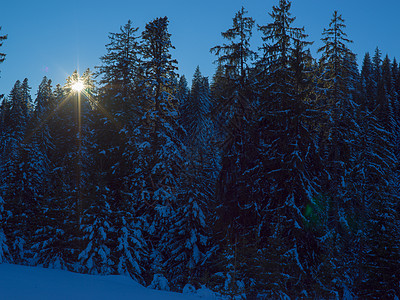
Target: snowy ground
34	283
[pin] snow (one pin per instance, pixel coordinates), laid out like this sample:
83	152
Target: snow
34	283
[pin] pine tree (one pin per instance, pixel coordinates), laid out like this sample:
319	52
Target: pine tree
337	97
233	112
119	72
37	147
289	163
19	201
114	152
47	239
159	158
53	242
236	55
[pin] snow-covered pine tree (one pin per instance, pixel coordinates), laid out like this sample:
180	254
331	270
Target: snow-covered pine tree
97	223
37	145
218	89
390	98
47	241
158	162
15	183
119	72
289	163
114	152
233	111
53	243
336	95
4	117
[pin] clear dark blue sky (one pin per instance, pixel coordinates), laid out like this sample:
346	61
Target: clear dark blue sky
53	38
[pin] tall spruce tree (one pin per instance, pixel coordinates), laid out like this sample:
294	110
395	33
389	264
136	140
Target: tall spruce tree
118	116
233	112
159	128
37	147
53	244
336	95
289	164
159	159
47	241
19	201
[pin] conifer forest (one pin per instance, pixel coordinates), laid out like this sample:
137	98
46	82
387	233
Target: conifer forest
277	178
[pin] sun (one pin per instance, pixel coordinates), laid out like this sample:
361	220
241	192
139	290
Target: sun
78	86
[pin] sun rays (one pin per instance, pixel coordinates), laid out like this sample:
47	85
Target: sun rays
75	90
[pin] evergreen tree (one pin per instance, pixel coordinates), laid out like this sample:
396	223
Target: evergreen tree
117	116
289	163
119	72
234	111
337	95
47	240
38	144
94	217
236	55
19	201
53	243
159	158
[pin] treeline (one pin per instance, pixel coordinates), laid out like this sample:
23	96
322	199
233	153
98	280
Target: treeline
279	180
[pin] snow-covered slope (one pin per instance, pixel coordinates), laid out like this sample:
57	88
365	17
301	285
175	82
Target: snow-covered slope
35	283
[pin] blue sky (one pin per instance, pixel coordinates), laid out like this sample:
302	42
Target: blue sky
53	38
